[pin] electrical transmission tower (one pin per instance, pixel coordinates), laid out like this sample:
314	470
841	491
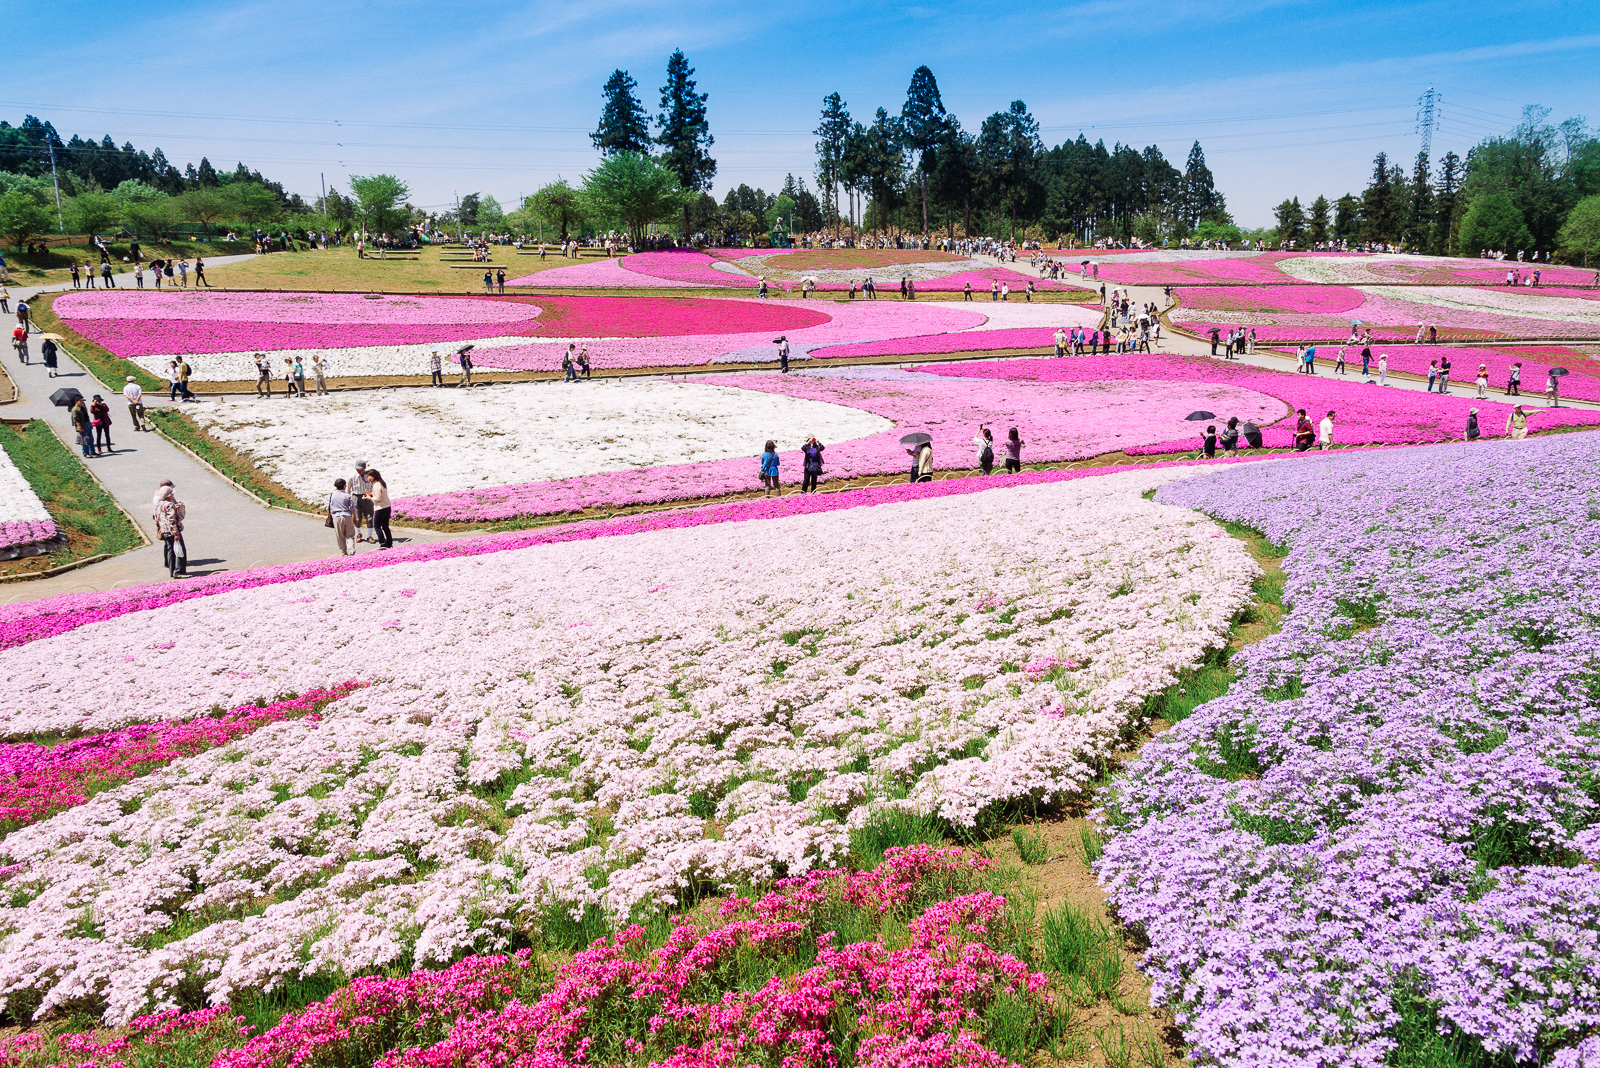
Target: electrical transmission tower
1428	111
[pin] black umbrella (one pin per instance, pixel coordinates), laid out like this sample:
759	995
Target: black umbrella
1557	372
1252	434
916	439
1195	417
65	397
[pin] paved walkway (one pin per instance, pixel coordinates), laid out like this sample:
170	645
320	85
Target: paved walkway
124	279
226	529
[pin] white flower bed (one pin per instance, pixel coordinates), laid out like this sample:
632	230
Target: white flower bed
23	517
554	727
1525	302
440	440
364	361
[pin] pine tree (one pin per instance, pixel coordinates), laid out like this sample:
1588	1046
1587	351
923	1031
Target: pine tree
207	174
1199	187
1446	221
922	121
833	134
685	135
1317	224
1378	207
624	125
1347	219
1419	206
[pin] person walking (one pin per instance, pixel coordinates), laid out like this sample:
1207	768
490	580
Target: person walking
1483	384
185	372
200	273
1325	433
5	300
1552	390
1471	433
1383	369
360	487
183	274
811	459
994	290
1517	424
169	517
24	317
319	372
263	375
47	353
1208	443
382	508
983	441
133	393
435	368
1338	367
1514	380
569	364
341	508
1366	362
1013	453
298	368
921	462
465	358
83	426
769	470
1433	374
72	269
106	278
584	370
100	419
1444	373
783	354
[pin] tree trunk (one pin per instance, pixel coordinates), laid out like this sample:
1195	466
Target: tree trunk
925	234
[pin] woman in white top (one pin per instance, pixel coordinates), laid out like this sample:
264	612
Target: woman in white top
381	508
983	441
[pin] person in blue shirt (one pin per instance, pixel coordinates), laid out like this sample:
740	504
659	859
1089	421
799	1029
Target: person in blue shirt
769	470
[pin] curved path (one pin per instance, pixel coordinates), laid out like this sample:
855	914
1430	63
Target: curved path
227	529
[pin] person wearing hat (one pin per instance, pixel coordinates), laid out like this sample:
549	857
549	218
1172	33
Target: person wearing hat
134	394
1472	425
783	354
47	352
169	516
360	488
1517	424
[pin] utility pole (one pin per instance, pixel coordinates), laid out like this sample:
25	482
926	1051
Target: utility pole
1428	110
460	234
324	178
54	178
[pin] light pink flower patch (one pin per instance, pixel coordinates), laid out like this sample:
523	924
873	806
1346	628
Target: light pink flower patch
348	309
602	274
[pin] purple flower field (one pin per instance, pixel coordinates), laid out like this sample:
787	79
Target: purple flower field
1378	846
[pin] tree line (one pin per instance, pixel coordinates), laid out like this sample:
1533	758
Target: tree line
1534	190
920	170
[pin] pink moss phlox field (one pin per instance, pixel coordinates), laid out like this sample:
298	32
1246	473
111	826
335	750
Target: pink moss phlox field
1025	337
29	621
1582	384
1260	269
1057	423
162	1038
602	274
1391	318
681	996
612	317
685	265
331	309
1367	414
1295	299
980	279
737	254
39	780
26	531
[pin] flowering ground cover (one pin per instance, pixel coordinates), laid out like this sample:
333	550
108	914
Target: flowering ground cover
23	516
1283	313
552	728
1198	267
1057	421
28	621
604	274
1379	846
438	441
1367	414
1439	270
1582	384
814	969
39	780
685	265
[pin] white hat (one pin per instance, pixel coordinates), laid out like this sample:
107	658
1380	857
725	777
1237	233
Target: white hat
130	378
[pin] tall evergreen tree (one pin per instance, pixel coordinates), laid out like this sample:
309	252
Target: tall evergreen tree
1008	150
1317	221
624	124
1347	218
1419	205
1199	187
883	165
833	134
1447	204
207	174
684	134
1291	223
1379	203
922	121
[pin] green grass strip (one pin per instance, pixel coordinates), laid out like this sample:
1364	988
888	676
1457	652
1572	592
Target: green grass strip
75	501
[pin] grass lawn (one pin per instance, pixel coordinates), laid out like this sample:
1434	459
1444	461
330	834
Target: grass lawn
338	269
52	267
84	512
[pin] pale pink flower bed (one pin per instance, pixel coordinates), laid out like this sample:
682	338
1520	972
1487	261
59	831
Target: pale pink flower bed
1065	422
26	531
955	283
1029	337
1261	269
602	274
684	265
350	309
844	324
1279	317
1367	414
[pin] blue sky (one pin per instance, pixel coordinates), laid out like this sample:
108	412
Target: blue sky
1287	98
